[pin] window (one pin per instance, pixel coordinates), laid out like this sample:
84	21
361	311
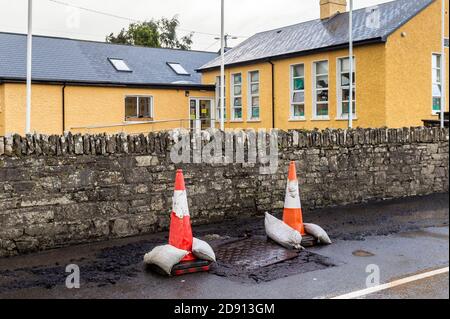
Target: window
178	68
120	65
298	92
218	100
236	97
320	81
437	83
138	107
253	94
343	84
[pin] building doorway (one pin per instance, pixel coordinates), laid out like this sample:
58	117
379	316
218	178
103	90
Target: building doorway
201	113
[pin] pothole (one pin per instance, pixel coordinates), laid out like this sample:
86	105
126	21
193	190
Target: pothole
259	260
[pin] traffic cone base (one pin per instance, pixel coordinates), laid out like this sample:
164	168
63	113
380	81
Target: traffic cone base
294	218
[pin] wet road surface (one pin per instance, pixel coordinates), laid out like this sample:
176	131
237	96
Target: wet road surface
399	237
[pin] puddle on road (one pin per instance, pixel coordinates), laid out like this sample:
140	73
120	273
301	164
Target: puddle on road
362	253
424	233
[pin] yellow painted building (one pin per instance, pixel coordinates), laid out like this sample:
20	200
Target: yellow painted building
295	77
395	62
93	87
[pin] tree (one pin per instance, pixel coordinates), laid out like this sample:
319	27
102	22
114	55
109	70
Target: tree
160	33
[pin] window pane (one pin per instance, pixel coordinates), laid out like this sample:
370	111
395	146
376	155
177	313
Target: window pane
322	82
346	95
299	97
322	67
130	107
436	90
238	113
345	108
299	84
299	110
237	79
345	65
144	107
436	76
299	70
255	101
436	61
238	101
345	79
255	112
254	76
237	90
322	96
178	69
120	65
322	109
436	104
255	88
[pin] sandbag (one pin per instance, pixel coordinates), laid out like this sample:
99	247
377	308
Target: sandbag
282	234
165	257
319	233
202	250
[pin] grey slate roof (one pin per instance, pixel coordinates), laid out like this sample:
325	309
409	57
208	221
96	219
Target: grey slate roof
57	59
317	34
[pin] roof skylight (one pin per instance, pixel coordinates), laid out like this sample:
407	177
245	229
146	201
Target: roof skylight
120	65
178	68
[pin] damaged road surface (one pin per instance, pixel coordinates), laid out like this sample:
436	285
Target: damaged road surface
380	239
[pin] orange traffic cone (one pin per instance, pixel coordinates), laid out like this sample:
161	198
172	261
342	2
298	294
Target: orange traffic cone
180	234
292	214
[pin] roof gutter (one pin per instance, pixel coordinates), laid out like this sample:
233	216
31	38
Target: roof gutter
297	54
170	86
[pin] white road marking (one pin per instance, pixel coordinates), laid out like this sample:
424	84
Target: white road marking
368	291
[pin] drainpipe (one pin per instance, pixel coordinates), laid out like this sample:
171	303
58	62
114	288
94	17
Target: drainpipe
273	94
64	108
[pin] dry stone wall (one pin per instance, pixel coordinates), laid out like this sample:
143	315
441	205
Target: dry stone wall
64	190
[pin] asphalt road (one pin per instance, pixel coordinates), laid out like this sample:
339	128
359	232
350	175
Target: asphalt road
397	239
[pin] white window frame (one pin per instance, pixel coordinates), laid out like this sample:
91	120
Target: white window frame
339	87
179	71
120	65
293	91
136	119
315	90
433	69
250	96
218	100
234	96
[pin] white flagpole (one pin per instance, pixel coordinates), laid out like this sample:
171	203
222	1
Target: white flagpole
29	65
222	67
350	32
443	69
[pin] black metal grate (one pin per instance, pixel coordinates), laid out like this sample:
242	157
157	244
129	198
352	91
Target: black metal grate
253	253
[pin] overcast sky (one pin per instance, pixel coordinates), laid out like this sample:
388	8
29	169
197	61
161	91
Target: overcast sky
243	17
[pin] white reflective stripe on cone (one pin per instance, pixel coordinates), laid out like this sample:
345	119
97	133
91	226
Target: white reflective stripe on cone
292	199
180	204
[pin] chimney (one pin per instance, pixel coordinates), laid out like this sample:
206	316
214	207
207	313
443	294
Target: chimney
329	8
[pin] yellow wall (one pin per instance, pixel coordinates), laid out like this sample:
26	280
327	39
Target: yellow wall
2	110
46	114
92	106
409	95
370	62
